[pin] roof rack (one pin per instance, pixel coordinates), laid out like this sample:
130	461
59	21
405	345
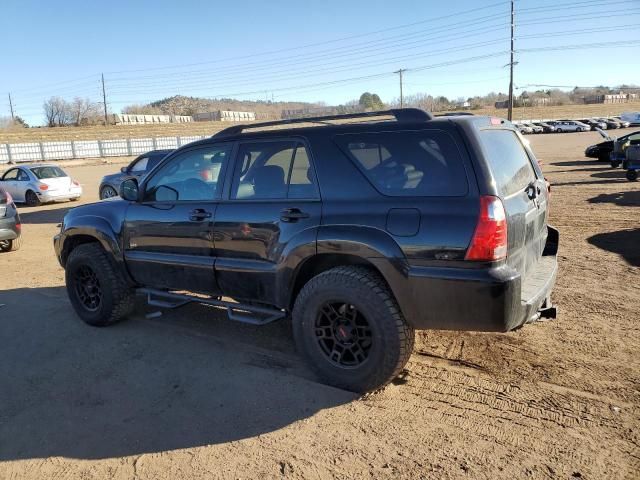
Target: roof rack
400	114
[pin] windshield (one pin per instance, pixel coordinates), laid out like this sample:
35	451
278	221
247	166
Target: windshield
43	173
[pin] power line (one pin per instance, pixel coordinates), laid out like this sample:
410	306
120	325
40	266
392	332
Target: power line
400	71
326	42
511	64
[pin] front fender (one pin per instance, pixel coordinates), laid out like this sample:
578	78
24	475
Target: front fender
100	222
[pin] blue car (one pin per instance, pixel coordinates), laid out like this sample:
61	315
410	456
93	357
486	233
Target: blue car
110	184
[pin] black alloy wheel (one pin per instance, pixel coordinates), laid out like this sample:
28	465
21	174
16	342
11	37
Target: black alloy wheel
344	334
88	288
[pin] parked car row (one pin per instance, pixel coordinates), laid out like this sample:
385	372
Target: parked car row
566	125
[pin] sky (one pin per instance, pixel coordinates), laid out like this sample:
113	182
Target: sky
291	50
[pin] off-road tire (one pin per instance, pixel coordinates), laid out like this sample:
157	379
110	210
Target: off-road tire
31	199
118	298
11	245
392	337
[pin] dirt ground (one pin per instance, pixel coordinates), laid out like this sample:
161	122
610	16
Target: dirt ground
191	395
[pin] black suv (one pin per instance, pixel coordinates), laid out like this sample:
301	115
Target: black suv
363	228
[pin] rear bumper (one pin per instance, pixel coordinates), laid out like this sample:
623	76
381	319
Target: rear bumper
494	300
59	196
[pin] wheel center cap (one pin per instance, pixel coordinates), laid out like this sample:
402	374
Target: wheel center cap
344	331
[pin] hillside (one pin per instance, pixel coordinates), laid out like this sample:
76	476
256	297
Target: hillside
181	105
209	128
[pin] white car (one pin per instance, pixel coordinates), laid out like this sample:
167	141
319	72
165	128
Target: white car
571	126
39	183
524	129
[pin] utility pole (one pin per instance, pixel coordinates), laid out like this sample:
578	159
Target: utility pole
401	97
104	101
11	107
510	114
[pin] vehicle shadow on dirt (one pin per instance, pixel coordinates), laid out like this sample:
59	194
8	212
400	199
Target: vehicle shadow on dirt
189	378
41	215
630	198
623	242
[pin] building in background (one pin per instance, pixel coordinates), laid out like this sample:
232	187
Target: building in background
225	116
127	119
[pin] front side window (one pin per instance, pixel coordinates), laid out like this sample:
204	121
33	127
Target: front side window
416	163
190	175
273	170
43	173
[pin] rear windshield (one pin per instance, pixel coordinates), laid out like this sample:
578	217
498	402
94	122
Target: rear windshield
48	172
509	162
417	163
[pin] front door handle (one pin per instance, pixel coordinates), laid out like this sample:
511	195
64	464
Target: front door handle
292	215
199	214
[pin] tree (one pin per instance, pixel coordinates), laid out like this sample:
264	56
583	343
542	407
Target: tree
19	122
56	111
370	101
82	111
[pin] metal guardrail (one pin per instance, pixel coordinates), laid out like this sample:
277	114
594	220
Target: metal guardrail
77	149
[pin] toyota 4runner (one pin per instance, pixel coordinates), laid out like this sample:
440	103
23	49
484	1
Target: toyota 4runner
360	227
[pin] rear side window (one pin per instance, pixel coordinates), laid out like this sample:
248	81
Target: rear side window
508	160
273	170
418	163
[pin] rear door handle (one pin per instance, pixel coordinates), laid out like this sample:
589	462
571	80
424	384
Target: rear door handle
292	215
199	214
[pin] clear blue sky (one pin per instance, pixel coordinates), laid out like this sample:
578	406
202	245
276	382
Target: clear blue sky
259	49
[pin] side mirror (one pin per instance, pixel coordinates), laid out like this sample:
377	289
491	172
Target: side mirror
123	170
129	190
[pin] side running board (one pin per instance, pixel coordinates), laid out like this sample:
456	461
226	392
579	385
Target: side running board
239	312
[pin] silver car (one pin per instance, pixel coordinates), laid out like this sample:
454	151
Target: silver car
39	183
571	126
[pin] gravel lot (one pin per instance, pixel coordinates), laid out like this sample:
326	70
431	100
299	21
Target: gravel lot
192	395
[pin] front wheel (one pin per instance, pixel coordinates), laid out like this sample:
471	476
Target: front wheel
350	329
97	290
615	163
558	130
107	192
632	175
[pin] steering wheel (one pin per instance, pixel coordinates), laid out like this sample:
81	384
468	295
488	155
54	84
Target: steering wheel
197	188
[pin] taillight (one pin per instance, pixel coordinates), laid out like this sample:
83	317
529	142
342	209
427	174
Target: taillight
489	241
19	227
43	186
75	183
9	198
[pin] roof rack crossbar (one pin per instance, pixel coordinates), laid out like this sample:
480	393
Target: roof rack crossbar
400	114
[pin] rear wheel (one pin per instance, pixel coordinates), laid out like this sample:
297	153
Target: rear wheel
10	245
31	199
632	175
558	130
350	329
107	192
615	163
98	292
